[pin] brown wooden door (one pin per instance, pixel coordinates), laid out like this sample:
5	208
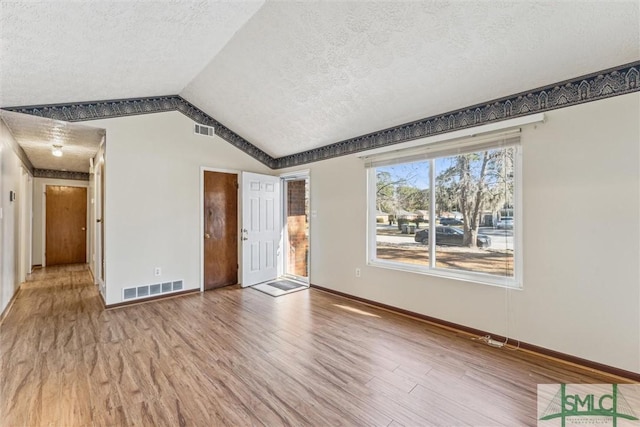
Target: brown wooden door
220	229
66	225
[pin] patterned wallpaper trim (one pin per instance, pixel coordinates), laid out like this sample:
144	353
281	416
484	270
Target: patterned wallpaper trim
94	110
591	87
49	173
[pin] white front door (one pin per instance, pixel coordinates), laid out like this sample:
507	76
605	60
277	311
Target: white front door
261	227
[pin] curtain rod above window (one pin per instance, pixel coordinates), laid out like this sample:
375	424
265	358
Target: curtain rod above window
463	134
446	148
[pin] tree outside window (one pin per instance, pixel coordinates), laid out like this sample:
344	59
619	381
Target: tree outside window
473	191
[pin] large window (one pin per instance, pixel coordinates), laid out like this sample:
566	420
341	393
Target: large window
466	195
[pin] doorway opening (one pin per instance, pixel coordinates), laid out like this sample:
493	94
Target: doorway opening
273	246
294	247
296	227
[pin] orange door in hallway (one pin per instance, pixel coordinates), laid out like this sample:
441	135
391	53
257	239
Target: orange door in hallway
66	225
220	229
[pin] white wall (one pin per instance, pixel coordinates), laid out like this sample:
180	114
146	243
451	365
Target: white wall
581	191
153	197
13	177
39	214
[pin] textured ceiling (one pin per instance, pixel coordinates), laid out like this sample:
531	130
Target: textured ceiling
37	135
299	75
69	51
291	76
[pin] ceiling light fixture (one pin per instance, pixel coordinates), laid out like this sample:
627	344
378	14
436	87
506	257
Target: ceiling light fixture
56	150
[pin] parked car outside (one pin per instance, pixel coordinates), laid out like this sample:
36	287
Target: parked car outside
450	236
506	222
451	221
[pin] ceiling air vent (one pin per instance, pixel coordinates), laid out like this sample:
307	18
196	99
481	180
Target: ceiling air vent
203	130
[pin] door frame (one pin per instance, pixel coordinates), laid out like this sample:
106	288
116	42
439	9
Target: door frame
25	199
292	176
304	173
97	228
45	182
238	173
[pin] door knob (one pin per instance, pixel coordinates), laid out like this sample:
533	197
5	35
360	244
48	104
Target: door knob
83	228
207	236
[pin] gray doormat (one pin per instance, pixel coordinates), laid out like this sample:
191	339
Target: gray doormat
280	287
285	285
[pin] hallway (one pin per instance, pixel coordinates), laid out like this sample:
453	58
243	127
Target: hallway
239	357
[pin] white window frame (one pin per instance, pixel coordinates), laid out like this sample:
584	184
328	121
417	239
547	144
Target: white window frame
445	149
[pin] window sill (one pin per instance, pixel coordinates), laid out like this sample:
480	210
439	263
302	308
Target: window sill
464	276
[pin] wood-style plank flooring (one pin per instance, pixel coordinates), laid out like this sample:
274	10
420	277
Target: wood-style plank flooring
240	357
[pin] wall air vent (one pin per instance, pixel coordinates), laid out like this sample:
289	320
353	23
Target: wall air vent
143	291
203	130
146	291
129	293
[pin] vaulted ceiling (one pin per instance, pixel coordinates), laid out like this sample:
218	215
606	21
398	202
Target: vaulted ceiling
292	76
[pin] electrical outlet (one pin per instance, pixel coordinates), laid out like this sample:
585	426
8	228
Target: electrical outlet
358	272
157	271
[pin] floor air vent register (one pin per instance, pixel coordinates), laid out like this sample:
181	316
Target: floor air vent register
146	291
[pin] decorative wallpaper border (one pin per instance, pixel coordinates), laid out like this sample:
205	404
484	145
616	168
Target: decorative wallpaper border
95	110
49	173
591	87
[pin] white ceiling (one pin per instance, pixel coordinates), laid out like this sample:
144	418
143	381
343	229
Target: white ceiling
291	76
37	135
70	51
302	75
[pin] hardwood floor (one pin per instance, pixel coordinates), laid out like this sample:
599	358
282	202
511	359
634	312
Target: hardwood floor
240	357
